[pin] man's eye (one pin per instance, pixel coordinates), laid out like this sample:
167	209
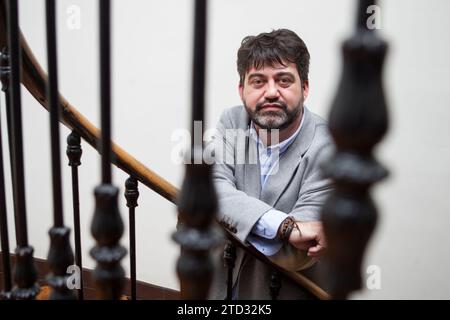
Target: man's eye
257	82
285	81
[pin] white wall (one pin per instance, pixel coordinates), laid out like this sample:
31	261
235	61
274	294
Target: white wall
151	99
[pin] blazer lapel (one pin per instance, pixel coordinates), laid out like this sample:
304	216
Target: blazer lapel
288	163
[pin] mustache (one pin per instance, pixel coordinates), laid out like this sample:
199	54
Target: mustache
261	105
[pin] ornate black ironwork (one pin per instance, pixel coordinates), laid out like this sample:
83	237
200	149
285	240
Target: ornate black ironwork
229	258
358	120
5	70
197	202
5	294
107	226
74	153
5	79
60	255
107	229
25	274
132	194
275	284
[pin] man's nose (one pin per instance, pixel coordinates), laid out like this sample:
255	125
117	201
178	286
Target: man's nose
271	91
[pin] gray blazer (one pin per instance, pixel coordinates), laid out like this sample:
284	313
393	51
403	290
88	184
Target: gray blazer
298	188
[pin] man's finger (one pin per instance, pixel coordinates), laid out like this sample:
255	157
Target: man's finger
316	250
305	245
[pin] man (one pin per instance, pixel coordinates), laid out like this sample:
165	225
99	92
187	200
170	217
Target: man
274	202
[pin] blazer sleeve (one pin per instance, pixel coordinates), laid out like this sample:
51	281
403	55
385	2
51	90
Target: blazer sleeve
238	212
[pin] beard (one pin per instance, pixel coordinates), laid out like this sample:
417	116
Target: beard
274	119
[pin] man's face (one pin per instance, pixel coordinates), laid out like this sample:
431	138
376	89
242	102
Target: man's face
273	96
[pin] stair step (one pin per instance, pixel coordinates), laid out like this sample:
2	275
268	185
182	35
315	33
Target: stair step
44	294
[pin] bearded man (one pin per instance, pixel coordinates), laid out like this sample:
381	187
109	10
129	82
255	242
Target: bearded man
272	203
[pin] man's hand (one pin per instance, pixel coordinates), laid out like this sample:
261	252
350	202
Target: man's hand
310	238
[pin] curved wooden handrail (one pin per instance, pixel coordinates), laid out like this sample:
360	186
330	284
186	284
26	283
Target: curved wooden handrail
35	79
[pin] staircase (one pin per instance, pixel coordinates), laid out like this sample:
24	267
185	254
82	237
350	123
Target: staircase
361	52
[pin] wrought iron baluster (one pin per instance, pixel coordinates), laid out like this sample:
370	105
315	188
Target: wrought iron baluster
132	194
107	226
5	294
275	284
74	153
358	120
60	255
229	258
9	120
9	123
5	78
25	274
197	202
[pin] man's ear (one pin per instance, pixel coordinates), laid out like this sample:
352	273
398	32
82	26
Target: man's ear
305	87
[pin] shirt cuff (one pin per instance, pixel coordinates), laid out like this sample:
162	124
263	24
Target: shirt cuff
268	247
267	226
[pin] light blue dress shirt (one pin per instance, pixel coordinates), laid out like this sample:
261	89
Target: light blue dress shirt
263	234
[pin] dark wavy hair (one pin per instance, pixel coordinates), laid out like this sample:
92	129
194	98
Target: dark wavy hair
270	48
